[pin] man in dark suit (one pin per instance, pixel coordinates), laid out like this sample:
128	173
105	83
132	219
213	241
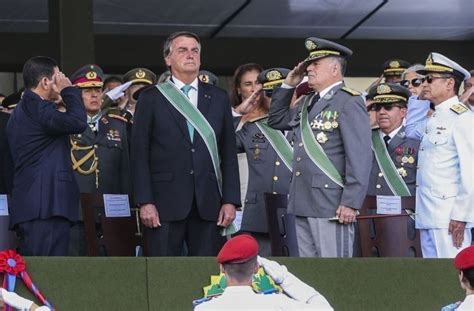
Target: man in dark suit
185	190
45	194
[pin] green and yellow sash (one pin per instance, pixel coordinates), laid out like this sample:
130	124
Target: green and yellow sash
394	181
197	120
278	141
314	149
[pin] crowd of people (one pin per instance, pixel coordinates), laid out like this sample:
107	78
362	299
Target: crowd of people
172	143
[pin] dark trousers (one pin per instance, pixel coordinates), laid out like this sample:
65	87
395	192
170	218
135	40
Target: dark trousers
193	235
44	237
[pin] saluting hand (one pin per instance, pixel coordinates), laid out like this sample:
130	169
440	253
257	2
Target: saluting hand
465	96
296	75
60	81
250	103
226	215
149	216
456	229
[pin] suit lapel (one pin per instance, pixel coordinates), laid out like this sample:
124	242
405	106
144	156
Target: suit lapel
204	98
180	119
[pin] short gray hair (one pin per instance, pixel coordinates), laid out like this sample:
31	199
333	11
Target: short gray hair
413	68
169	40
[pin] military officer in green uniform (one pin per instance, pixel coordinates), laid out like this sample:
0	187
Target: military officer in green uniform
269	156
332	134
99	155
395	154
393	69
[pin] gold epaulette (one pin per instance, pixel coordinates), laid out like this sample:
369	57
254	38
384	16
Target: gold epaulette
459	108
258	118
116	116
350	91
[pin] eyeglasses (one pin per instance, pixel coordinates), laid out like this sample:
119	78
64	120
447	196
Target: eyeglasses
387	107
415	82
430	78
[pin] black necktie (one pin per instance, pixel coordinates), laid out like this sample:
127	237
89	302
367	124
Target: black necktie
386	138
313	101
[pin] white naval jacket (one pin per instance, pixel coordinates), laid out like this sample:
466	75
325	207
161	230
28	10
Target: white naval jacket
445	175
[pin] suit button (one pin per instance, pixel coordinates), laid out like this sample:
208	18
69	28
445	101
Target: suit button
95	146
298	159
246	200
274	192
193	150
275	178
380	174
298	173
378	186
277	163
422	149
191	172
326	185
300	144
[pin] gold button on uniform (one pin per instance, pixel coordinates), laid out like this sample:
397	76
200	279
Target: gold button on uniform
277	163
275	178
378	186
298	173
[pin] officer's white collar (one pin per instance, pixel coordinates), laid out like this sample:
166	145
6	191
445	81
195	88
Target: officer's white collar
179	84
326	90
447	104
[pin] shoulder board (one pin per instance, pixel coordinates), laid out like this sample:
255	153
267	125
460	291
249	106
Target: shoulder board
258	118
350	91
116	116
459	108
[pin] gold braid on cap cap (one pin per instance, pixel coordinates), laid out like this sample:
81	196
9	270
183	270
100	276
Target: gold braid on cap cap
389	98
323	53
271	84
438	68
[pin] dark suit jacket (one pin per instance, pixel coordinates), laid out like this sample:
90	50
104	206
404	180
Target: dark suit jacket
6	164
44	185
170	171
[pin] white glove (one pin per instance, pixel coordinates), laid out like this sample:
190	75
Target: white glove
118	91
274	269
14	300
43	308
292	286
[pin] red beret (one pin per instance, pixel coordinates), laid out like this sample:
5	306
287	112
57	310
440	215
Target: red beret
238	249
465	259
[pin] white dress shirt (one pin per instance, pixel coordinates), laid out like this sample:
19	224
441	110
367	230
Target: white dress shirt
193	92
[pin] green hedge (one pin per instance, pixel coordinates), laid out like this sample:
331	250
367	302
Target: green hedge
172	283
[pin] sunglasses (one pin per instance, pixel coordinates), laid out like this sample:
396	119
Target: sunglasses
430	78
415	82
387	107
